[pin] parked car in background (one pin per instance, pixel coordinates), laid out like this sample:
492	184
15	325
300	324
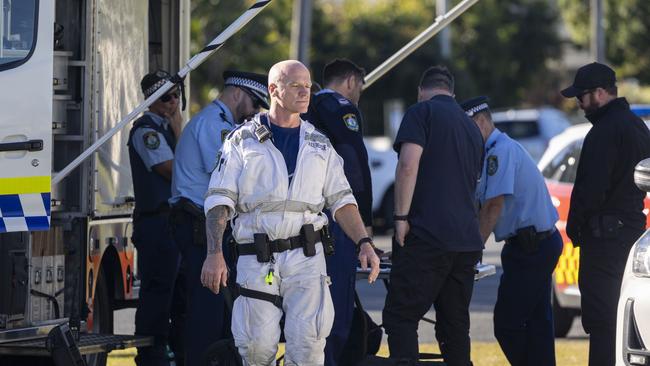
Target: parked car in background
532	128
383	161
559	166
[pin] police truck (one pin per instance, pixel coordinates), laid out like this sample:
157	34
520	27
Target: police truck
69	70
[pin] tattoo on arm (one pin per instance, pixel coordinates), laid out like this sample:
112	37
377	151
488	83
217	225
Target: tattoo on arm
215	225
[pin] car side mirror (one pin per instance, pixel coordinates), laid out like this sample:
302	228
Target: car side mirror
642	175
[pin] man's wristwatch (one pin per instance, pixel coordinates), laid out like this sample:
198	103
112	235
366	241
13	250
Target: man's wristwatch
400	217
363	241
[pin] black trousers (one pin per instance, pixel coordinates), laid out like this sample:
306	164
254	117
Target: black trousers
523	317
421	276
602	263
160	293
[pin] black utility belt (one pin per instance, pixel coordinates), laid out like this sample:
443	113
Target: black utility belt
187	206
186	211
162	210
262	247
528	238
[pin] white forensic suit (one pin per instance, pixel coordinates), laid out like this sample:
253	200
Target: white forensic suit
251	178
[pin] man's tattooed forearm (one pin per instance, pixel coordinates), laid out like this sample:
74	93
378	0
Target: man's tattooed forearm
215	225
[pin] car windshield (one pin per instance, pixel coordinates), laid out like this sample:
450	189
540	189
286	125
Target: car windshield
519	129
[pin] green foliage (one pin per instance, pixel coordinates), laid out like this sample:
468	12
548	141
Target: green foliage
498	46
627	33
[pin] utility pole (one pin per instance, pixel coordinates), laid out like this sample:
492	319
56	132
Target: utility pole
301	30
597	44
445	34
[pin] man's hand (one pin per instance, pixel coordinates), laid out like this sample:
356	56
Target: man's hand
402	228
175	121
214	272
367	256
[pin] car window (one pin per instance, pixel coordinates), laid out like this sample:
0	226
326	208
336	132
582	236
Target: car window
562	167
519	129
17	32
570	165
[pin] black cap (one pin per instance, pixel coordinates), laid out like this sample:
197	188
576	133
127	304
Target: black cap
256	84
475	105
590	76
151	82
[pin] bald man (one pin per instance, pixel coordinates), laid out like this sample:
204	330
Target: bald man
277	173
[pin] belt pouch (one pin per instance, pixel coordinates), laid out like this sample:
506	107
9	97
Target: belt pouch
527	239
262	248
327	240
310	238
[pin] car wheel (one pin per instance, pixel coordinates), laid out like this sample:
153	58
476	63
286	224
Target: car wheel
562	319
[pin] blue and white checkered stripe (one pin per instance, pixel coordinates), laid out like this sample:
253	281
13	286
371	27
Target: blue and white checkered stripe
24	212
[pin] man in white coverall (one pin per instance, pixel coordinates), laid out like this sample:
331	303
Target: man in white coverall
276	173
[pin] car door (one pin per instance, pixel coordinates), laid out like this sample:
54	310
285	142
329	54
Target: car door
26	49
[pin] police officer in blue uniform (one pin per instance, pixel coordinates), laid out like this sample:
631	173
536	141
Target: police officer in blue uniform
515	204
151	152
334	111
197	154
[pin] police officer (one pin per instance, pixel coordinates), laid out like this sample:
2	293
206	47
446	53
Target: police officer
515	205
334	111
436	225
151	151
606	213
196	157
277	173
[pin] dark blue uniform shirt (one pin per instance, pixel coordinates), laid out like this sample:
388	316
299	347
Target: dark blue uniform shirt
443	210
341	121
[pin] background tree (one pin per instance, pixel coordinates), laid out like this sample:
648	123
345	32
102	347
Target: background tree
627	33
500	47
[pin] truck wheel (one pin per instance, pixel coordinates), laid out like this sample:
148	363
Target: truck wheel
102	317
562	319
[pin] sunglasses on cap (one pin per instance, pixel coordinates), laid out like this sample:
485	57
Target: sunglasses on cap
256	101
167	97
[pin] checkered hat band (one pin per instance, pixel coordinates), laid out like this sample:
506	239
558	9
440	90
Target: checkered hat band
479	108
251	84
152	89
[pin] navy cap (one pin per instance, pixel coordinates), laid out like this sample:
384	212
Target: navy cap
475	105
151	82
590	76
256	84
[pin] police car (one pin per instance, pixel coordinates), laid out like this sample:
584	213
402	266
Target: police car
559	166
532	128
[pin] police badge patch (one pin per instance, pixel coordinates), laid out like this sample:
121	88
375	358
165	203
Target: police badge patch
492	164
151	140
224	135
351	122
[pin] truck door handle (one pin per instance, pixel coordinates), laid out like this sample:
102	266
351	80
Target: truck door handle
30	145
